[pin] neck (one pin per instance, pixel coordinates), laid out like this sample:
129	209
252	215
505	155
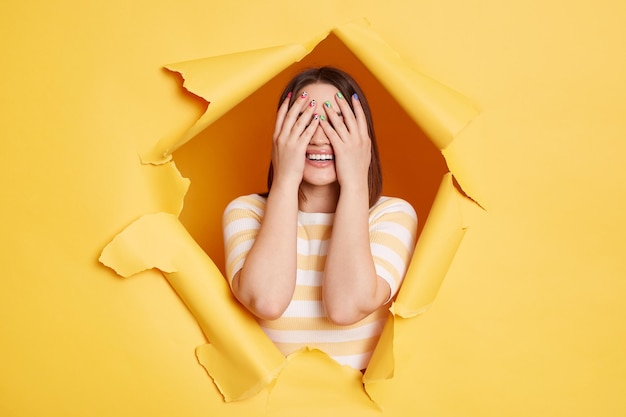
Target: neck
319	199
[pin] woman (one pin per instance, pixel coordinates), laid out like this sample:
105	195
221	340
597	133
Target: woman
319	257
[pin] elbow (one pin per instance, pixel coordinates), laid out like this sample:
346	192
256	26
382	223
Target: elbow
344	311
261	305
267	309
343	315
343	320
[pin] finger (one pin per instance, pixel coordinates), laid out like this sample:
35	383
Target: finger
348	119
280	116
347	112
335	118
359	114
332	135
308	132
298	109
304	117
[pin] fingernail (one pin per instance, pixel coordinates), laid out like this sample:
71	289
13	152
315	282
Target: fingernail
304	94
316	116
339	95
327	104
312	103
355	96
322	117
289	94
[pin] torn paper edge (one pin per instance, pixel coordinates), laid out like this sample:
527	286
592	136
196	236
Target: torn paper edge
440	111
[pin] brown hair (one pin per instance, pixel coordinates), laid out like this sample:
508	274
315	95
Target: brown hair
348	86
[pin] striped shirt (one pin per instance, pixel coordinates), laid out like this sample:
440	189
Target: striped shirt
392	225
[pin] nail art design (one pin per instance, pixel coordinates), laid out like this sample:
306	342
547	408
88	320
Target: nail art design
322	117
327	104
355	96
312	103
316	116
304	94
339	95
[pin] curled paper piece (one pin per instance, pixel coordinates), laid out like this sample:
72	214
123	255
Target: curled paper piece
441	237
224	81
305	385
382	362
240	357
440	111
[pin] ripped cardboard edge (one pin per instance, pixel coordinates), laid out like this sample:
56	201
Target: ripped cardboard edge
312	369
236	340
160	241
440	111
441	237
226	80
434	253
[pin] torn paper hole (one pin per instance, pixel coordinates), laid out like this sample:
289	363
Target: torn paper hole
239	343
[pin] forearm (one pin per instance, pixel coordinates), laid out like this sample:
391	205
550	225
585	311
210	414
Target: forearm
351	287
266	282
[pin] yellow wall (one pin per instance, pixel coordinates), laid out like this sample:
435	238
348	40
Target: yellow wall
529	319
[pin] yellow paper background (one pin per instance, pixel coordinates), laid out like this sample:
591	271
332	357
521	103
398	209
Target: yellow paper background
529	319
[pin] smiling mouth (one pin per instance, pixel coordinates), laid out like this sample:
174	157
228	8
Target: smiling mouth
319	157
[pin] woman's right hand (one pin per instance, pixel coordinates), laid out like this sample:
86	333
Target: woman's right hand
293	131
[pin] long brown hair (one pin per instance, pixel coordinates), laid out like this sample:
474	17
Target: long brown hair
348	86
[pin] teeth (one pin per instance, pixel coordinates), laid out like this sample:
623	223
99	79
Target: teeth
320	157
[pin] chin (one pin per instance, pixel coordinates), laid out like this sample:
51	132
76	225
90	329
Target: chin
320	182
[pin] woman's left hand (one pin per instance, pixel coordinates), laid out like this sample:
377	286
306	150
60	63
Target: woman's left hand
349	137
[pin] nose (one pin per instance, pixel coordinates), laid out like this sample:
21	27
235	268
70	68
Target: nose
319	137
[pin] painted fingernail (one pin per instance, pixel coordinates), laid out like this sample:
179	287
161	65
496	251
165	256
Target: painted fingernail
327	104
312	103
355	96
316	116
304	94
289	94
339	95
322	117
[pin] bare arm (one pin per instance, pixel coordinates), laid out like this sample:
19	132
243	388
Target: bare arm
351	288
266	282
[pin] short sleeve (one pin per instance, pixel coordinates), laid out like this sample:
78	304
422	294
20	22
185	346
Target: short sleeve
393	229
241	222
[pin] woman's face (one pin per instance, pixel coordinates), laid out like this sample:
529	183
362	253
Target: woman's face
319	167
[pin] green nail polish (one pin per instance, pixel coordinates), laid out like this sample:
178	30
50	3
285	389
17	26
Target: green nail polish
322	117
327	104
339	95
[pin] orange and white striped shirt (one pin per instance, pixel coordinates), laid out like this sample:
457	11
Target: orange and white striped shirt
392	225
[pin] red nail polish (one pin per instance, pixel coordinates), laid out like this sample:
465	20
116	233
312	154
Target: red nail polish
289	94
304	94
312	103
